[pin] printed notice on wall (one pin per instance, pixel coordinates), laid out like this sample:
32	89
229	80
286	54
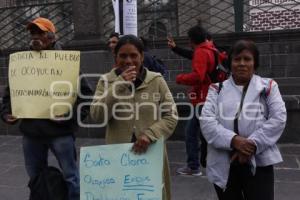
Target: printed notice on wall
125	16
43	84
113	172
130	17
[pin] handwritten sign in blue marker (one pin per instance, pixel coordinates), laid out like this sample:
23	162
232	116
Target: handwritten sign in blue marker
113	172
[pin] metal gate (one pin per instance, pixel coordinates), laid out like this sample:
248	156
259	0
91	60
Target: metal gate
14	16
158	18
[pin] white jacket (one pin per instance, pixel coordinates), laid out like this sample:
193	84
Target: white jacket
262	119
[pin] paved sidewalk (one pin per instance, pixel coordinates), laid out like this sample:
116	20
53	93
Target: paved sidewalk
13	176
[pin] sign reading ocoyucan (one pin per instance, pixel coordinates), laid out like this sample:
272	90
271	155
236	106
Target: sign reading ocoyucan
43	84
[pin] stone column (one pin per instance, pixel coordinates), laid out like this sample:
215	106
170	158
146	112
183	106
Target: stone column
88	24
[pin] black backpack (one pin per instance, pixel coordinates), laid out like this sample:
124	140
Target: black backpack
48	185
221	71
154	64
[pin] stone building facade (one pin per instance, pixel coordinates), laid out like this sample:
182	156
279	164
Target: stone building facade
159	18
274	14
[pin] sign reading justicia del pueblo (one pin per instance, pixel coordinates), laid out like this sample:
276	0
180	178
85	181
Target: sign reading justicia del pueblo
43	84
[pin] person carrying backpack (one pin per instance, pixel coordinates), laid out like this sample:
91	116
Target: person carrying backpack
203	63
221	71
242	122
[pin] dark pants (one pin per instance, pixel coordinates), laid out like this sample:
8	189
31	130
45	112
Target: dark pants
242	185
63	148
192	134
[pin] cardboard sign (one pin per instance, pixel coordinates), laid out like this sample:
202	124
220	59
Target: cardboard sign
113	172
43	84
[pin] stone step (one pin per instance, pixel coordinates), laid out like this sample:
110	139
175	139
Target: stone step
288	81
289	89
289	85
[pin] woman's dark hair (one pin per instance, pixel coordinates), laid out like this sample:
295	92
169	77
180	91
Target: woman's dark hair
197	34
129	39
242	45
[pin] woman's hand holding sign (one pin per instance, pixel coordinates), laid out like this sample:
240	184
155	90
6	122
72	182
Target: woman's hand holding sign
141	145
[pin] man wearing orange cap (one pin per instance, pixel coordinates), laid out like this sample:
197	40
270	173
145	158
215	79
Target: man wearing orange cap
42	33
40	135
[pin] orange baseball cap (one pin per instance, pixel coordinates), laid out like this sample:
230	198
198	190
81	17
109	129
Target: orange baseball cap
43	23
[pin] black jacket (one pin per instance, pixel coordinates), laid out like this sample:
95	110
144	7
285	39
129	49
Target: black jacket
45	127
154	64
186	53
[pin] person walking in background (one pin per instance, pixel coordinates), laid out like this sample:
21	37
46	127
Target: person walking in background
151	62
40	135
186	53
112	41
148	123
242	119
203	62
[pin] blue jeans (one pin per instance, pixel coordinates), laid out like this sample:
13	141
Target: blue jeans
63	148
192	133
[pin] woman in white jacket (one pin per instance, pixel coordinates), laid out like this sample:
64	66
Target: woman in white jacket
242	120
